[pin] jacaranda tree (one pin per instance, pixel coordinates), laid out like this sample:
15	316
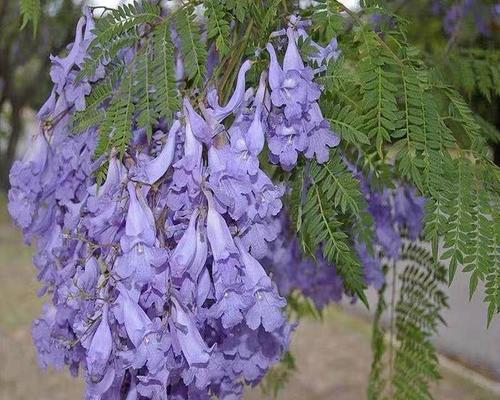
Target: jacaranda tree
207	171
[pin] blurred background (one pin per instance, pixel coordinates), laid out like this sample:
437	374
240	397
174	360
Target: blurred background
333	355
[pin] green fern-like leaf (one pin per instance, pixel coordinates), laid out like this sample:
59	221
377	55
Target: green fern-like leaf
94	112
217	25
193	49
474	70
166	97
418	315
328	18
322	229
116	129
414	129
30	12
144	89
379	89
116	30
239	8
406	365
460	207
462	113
493	275
340	186
297	198
345	122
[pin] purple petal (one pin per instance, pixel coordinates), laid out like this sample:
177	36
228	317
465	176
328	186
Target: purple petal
292	60
254	272
275	71
221	242
185	251
140	224
193	347
135	319
157	167
100	347
236	99
198	125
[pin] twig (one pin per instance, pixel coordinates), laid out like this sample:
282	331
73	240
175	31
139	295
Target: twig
392	327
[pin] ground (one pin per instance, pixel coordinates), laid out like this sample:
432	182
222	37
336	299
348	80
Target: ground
333	356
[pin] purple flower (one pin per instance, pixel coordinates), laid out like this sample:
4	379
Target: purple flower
371	265
151	171
230	304
100	347
135	320
185	251
87	280
219	113
61	67
219	237
385	228
409	210
140	224
27	179
193	347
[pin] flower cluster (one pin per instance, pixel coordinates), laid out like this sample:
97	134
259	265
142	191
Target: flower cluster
397	214
295	122
484	14
154	275
292	271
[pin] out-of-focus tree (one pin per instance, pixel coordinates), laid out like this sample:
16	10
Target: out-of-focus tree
461	41
24	77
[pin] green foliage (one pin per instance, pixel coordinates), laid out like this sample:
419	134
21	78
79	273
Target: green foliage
460	209
474	70
238	8
165	99
406	363
116	128
149	78
344	122
299	186
493	275
94	113
193	49
378	88
218	25
30	12
381	88
327	18
116	30
321	228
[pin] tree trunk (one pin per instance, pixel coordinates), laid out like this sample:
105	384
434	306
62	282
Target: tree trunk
6	159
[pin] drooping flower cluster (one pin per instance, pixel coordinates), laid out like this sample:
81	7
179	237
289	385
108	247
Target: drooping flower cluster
484	15
397	214
395	211
295	123
292	271
156	285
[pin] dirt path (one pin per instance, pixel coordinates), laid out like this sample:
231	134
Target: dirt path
333	356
